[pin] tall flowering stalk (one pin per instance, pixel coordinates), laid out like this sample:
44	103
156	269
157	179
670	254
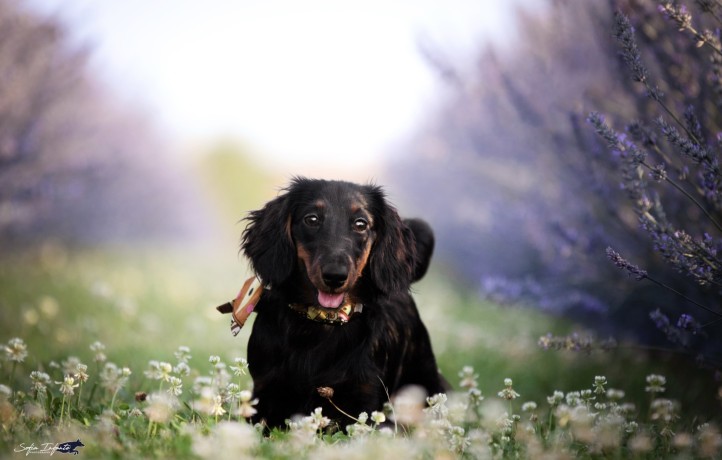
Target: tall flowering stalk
67	388
15	351
674	150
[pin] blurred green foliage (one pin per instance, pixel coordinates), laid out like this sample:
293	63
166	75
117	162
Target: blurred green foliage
235	183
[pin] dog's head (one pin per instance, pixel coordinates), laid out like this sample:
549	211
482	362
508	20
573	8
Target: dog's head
330	234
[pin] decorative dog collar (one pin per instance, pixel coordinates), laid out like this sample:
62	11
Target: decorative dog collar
340	315
242	306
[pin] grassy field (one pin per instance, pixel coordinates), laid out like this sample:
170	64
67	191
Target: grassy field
144	303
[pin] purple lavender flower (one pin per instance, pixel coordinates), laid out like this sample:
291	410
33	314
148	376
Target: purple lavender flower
624	33
621	262
688	323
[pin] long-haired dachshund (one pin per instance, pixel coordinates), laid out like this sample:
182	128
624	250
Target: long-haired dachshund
337	262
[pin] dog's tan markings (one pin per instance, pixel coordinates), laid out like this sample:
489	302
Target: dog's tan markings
359	203
304	256
363	260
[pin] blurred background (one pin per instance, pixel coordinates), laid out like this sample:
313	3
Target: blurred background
135	136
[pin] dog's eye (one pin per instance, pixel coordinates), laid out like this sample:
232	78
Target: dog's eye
360	224
311	220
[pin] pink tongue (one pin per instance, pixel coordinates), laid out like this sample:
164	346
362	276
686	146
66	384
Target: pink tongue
329	300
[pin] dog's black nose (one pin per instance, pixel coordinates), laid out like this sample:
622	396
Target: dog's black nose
335	276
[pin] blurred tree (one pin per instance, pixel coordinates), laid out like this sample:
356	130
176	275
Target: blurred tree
527	197
74	163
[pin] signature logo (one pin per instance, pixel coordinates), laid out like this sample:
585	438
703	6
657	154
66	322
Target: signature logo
49	448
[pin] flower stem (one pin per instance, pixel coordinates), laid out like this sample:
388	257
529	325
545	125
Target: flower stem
80	389
343	412
112	400
62	409
12	379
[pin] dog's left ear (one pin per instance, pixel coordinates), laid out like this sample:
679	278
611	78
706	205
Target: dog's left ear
393	258
267	243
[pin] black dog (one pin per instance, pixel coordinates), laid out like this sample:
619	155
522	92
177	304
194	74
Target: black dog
337	261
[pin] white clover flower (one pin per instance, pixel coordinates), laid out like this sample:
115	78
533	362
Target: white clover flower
112	378
626	409
359	428
213	359
573	398
246	409
615	395
640	444
220	368
599	382
378	417
68	385
663	409
98	348
233	392
630	427
528	406
457	439
437	406
70	365
183	354
16	350
217	409
182	369
475	397
468	378
655	383
556	398
153	372
408	405
80	373
241	367
176	386
40	381
508	392
165	371
161	407
226	440
319	419
505	424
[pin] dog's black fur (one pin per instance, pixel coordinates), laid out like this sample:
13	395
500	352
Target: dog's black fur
336	237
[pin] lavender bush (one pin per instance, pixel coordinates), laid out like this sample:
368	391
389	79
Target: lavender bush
76	163
590	147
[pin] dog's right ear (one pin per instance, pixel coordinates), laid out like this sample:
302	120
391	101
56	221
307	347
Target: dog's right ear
267	243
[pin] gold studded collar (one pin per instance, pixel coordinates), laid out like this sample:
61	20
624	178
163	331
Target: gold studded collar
337	316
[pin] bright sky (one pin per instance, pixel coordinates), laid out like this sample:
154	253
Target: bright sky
314	82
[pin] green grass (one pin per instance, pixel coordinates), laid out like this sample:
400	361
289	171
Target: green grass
143	303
